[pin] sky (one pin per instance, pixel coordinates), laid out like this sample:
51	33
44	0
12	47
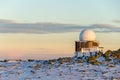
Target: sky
44	29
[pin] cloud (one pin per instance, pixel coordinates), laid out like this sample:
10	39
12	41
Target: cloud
6	21
104	28
8	26
117	21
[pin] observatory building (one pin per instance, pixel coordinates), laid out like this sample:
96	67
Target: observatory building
87	44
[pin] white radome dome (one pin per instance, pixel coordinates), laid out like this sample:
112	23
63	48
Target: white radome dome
87	35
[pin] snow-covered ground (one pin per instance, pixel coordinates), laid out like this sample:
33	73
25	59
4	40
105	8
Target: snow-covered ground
26	70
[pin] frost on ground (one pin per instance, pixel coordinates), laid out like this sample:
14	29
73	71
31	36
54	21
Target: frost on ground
26	70
97	67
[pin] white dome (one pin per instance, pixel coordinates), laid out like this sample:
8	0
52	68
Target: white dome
87	35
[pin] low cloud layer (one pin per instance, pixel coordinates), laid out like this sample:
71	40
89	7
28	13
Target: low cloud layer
117	21
8	26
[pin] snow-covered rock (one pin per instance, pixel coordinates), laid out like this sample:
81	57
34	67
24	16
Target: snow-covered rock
25	70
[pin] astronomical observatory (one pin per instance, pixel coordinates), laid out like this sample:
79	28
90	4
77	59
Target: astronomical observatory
87	44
